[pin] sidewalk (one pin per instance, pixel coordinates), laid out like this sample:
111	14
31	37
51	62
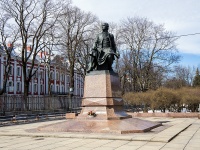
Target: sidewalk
175	134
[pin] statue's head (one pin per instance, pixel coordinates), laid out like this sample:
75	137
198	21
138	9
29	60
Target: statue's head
105	26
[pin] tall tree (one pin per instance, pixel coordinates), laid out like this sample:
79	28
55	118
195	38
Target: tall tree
33	18
8	36
149	49
196	81
181	76
115	30
74	27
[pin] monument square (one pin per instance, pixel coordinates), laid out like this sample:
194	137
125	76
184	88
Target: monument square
102	104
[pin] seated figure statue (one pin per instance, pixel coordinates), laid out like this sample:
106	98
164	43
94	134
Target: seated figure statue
103	52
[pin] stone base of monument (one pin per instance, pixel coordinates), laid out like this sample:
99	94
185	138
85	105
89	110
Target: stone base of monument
102	96
125	126
102	109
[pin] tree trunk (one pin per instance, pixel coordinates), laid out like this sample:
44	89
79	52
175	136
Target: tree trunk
164	109
71	86
26	90
4	87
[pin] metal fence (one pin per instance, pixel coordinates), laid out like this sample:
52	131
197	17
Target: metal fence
13	103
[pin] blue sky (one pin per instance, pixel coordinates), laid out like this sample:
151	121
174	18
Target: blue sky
190	60
179	16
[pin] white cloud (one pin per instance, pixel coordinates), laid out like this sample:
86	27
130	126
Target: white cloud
189	45
179	16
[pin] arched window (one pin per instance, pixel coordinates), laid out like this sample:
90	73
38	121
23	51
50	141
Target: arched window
10	86
35	88
57	76
41	88
11	70
18	87
41	75
51	75
18	71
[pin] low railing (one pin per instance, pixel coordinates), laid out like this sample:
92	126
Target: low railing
16	103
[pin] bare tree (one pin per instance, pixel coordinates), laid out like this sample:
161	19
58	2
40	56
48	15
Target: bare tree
48	53
83	55
115	30
8	36
149	47
181	76
75	27
86	46
184	73
33	19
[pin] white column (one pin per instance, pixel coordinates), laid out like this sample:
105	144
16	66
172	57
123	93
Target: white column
46	79
38	72
15	76
60	79
65	82
55	90
1	73
77	93
22	83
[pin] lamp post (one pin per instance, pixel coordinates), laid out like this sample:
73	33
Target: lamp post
71	91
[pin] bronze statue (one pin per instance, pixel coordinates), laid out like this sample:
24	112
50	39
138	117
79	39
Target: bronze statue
103	52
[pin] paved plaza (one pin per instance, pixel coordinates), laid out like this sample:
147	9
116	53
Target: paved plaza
175	134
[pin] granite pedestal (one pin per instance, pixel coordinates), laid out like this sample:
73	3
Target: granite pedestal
102	96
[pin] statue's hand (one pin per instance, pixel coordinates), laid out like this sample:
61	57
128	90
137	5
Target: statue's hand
118	54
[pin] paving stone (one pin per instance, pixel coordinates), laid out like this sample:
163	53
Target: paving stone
128	147
98	143
174	146
17	138
149	148
116	143
104	148
191	148
138	143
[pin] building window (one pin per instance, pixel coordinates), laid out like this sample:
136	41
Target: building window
57	87
27	73
62	89
67	78
29	89
41	75
41	88
35	88
10	83
10	70
51	88
10	86
18	71
57	76
36	74
63	77
51	75
18	87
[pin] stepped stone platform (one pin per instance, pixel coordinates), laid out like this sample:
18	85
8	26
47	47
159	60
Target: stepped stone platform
130	125
102	97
